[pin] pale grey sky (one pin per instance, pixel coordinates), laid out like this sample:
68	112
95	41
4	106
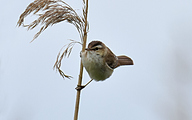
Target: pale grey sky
156	34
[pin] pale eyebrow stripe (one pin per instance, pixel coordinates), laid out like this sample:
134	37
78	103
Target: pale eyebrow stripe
99	46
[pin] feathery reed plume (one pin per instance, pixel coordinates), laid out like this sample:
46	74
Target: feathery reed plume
51	12
61	55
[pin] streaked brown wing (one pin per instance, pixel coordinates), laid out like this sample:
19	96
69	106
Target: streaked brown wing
111	59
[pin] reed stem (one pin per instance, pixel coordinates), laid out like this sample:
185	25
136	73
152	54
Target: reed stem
81	66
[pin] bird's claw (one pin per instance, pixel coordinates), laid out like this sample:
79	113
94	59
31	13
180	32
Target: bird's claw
79	87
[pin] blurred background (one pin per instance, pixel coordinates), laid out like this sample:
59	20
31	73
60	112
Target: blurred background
156	34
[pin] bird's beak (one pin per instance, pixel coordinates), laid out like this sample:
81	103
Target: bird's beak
88	49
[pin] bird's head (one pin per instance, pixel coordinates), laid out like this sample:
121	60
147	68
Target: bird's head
97	48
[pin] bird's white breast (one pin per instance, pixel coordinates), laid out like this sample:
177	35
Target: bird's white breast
95	65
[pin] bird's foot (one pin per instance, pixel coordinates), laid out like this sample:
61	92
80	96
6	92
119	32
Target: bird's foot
79	87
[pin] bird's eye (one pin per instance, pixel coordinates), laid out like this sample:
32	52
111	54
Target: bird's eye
96	48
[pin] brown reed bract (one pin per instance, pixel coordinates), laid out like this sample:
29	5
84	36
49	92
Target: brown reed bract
51	12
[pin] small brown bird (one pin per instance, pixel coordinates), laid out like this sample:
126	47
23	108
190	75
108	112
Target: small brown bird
99	61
